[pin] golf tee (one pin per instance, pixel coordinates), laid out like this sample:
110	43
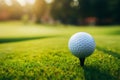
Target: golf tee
82	60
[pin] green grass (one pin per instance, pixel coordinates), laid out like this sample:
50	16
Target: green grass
40	52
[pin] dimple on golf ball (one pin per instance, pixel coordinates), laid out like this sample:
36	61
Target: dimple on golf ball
81	44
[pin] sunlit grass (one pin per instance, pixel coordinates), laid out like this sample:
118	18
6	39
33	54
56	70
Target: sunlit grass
49	57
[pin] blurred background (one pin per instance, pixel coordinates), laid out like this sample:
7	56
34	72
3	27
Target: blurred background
75	12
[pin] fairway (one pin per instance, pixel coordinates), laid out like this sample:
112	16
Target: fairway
40	52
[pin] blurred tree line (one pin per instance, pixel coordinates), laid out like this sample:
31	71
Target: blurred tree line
10	12
77	12
101	12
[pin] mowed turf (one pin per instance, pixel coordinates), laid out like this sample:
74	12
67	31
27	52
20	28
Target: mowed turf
40	52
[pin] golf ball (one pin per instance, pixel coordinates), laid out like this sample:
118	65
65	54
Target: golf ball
81	44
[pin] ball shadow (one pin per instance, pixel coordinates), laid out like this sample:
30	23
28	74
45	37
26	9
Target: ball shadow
93	73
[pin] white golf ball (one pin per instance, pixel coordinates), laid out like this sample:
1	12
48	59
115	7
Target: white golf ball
81	44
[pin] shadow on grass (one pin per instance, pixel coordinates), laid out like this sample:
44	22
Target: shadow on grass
8	40
117	32
114	54
93	73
